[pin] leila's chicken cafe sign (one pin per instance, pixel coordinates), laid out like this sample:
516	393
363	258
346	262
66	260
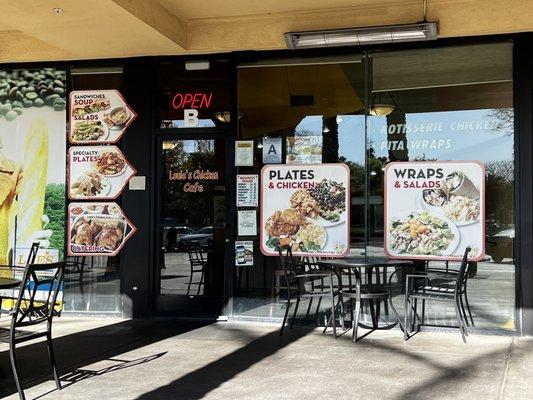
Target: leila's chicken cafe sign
190	103
194	180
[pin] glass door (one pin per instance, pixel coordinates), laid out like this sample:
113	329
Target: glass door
191	210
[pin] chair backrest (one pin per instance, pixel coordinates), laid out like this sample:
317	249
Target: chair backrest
196	253
463	271
290	265
37	297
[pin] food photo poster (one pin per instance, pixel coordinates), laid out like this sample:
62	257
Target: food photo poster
97	172
32	160
97	229
435	210
306	207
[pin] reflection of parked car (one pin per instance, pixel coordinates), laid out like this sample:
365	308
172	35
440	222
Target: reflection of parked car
500	245
173	234
203	236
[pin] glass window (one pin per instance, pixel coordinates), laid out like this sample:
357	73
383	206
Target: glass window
92	284
452	103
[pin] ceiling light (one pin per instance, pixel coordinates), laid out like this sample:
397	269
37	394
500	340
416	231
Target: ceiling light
381	110
222	116
361	36
196	65
325	130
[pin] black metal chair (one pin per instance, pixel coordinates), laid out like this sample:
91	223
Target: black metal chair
298	286
32	254
198	263
372	293
427	287
35	307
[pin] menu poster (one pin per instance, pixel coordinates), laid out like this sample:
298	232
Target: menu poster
272	150
247	190
307	207
97	229
434	210
97	172
98	116
246	223
244	153
304	150
244	253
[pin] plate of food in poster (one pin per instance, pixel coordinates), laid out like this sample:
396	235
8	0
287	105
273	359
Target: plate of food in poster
97	172
98	116
445	203
306	207
97	228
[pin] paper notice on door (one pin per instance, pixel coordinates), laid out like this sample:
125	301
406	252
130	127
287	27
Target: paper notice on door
247	223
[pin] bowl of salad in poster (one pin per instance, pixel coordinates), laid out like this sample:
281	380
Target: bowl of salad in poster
421	233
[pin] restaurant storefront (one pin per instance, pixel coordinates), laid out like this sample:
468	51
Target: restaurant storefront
205	126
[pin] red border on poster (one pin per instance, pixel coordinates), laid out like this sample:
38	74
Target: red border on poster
133	230
422	257
122	131
348	204
94	198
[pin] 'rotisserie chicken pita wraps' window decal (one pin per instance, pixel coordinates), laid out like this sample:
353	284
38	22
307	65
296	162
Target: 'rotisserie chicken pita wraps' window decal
97	229
307	207
98	116
97	172
435	210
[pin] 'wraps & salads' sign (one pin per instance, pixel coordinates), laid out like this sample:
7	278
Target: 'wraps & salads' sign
434	210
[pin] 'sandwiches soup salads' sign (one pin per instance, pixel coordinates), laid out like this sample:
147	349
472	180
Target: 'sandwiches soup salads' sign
434	210
306	207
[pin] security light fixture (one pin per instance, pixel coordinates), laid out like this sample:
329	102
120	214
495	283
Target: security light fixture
196	65
57	10
362	36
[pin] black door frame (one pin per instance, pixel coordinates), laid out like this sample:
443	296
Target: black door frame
206	306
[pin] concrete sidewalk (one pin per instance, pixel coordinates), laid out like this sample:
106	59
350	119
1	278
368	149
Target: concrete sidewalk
118	359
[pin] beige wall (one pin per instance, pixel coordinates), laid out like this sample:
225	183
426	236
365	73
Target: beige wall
30	31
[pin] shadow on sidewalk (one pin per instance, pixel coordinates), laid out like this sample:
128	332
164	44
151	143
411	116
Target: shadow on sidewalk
198	383
88	347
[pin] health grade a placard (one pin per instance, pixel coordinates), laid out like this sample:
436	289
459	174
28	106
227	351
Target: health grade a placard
435	210
306	206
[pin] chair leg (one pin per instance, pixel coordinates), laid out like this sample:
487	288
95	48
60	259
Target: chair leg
333	319
463	311
295	311
406	321
200	283
309	307
415	314
190	282
13	360
286	314
53	359
355	320
468	309
459	320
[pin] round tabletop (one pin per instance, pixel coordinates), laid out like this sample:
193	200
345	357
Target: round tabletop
8	283
355	262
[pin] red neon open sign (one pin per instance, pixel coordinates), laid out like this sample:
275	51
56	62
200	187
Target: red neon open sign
192	100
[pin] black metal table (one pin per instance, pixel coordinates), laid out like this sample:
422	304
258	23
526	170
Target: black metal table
369	265
9	283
